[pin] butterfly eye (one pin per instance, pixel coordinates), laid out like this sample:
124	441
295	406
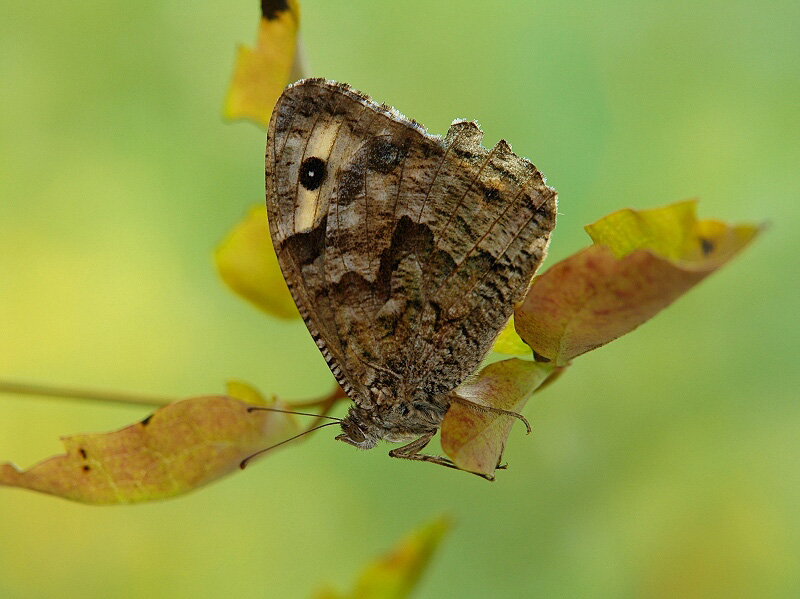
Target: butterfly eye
356	434
312	173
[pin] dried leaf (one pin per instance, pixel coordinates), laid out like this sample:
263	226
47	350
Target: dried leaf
262	72
640	263
510	343
474	439
246	262
180	447
395	575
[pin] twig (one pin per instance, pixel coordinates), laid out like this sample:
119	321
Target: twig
82	394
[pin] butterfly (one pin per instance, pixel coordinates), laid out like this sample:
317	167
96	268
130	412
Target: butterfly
405	252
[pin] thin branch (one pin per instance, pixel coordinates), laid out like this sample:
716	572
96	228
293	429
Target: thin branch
324	402
82	394
16	388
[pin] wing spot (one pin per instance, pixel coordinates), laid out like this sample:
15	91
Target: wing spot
491	194
351	184
312	173
383	156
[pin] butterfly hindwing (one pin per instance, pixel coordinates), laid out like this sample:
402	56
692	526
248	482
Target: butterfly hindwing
404	252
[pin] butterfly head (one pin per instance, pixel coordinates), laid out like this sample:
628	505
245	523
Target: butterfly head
395	422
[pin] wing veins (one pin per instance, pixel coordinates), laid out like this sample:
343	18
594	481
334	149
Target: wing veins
491	227
418	329
438	346
461	201
361	308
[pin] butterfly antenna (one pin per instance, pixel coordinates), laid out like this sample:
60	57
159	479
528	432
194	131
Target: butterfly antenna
245	461
264	408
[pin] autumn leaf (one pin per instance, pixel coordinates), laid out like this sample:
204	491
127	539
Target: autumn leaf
246	262
396	574
178	448
641	262
473	439
262	72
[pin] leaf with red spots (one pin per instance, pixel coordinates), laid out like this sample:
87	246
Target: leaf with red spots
396	574
246	262
178	448
474	439
640	263
262	72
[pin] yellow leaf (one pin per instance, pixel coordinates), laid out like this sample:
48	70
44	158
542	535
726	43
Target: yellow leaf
475	440
510	343
246	262
395	575
177	449
262	72
641	262
666	231
672	232
245	392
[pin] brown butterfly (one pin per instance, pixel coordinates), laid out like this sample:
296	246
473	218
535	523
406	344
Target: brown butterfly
405	252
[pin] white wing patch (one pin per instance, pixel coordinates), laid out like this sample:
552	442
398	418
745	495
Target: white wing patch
309	209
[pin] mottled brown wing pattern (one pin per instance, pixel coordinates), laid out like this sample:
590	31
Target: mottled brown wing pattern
490	219
404	252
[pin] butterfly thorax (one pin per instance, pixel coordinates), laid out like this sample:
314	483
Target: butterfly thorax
398	422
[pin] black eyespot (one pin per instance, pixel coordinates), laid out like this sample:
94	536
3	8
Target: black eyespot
312	173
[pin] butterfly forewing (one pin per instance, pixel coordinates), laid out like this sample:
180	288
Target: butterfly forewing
405	253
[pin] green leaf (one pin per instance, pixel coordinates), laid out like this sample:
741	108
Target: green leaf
396	574
641	262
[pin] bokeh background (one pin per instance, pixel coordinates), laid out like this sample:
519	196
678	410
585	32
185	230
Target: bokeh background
662	465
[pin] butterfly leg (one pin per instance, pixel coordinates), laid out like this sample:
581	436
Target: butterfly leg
481	408
411	452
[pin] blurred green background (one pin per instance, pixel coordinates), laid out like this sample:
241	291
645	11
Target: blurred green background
662	465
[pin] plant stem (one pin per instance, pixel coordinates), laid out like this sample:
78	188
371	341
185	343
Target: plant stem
324	402
82	394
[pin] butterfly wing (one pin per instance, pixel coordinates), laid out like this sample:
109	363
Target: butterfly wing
405	253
